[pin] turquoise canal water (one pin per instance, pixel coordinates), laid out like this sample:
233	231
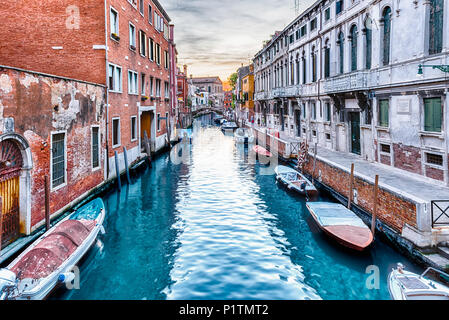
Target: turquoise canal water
214	226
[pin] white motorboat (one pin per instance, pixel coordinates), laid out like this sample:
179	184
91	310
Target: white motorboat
49	261
243	135
229	126
406	285
295	181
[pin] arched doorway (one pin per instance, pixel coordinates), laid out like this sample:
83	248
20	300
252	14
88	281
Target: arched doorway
15	187
11	163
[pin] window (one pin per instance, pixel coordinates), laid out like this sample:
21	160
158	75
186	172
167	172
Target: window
158	53
327	111
327	61
303	31
143	43
95	147
58	159
166	61
132	82
435	159
386	19
141	7
150	14
133	128
328	136
314	69
142	84
339	7
383	112
115	78
304	69
151	48
114	22
132	36
158	122
166	89
340	42
115	132
436	26
166	31
327	14
433	114
385	148
151	86
133	3
353	48
313	24
304	111
368	42
158	88
341	116
313	111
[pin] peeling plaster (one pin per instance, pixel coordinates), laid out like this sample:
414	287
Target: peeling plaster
28	80
5	83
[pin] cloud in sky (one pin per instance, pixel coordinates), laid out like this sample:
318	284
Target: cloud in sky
214	37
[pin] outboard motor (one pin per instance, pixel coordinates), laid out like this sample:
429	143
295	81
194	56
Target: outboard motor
7	282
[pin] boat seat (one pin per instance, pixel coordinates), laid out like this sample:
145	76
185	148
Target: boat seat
412	283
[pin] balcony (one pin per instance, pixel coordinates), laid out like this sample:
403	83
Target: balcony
360	80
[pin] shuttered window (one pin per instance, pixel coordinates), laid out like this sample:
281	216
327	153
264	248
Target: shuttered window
327	62
95	148
353	48
436	26
369	46
386	36
58	159
383	113
433	110
341	40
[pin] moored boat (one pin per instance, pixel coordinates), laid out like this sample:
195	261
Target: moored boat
49	261
262	151
406	285
341	224
295	181
229	126
243	135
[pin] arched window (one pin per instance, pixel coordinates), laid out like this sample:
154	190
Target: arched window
436	26
341	57
386	36
298	75
304	65
313	64
354	48
368	42
327	60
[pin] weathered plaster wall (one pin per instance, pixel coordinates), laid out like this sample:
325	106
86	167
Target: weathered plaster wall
41	105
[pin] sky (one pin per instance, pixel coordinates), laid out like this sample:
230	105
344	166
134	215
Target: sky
214	37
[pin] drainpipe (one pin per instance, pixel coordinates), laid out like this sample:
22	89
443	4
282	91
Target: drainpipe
107	86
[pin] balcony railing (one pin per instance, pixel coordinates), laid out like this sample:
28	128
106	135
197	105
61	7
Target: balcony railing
361	80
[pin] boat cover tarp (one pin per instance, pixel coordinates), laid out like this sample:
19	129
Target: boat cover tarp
52	250
284	169
335	214
89	211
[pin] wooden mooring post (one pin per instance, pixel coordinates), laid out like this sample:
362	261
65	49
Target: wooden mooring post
47	202
314	163
125	156
117	172
376	192
351	184
146	144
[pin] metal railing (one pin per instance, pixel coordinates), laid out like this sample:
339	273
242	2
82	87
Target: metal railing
440	216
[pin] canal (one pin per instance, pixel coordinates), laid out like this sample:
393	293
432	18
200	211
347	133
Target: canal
203	223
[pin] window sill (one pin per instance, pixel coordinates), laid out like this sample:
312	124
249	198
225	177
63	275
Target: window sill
439	135
113	91
96	169
53	189
134	140
117	40
380	128
116	146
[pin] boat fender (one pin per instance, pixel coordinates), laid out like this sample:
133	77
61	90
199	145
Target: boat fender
66	277
102	231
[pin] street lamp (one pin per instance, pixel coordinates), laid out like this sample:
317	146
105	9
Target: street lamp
442	67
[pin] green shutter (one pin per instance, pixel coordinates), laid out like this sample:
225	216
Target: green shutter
436	26
433	110
383	113
368	47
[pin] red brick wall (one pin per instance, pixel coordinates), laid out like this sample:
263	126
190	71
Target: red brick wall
30	99
407	158
434	173
124	105
391	209
31	28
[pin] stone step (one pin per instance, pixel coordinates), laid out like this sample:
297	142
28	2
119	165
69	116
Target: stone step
438	261
444	251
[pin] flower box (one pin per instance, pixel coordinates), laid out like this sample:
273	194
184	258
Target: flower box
115	36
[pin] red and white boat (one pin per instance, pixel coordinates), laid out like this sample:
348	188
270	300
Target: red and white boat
49	261
261	151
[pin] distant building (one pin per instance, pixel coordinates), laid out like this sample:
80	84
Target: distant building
213	86
184	103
